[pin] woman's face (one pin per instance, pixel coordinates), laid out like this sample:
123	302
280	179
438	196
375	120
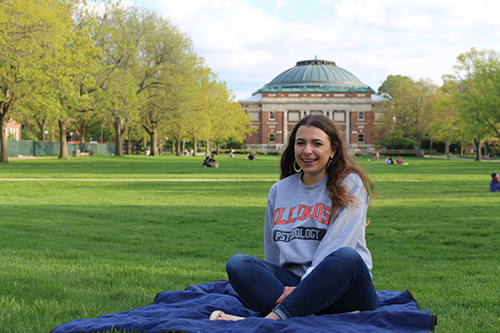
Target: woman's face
312	152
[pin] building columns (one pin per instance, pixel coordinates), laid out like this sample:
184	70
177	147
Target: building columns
348	127
284	132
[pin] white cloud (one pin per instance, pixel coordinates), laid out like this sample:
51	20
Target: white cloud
281	4
230	25
248	46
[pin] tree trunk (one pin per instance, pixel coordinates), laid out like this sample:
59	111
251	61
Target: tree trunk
486	148
218	148
82	136
447	149
178	147
461	151
154	142
207	152
129	145
477	143
119	137
42	125
195	148
3	136
173	146
183	146
63	152
417	146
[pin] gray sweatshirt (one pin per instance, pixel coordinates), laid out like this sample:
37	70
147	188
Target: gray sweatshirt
298	233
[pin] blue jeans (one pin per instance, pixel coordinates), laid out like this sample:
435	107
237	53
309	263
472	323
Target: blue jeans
340	283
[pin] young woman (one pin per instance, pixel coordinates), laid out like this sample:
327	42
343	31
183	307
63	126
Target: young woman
316	259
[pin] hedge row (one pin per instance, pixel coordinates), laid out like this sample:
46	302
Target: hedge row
245	152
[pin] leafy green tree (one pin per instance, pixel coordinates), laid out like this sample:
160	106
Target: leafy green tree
477	80
389	86
31	32
117	30
73	80
162	72
228	119
409	110
446	126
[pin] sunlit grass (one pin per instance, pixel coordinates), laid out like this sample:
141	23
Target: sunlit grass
80	249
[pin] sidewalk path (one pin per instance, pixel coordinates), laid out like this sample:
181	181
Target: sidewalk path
137	180
460	158
170	180
30	157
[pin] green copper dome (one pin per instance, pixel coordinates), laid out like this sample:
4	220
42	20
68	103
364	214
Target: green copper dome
316	75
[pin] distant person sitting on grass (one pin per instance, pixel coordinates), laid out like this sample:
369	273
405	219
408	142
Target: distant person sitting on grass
316	259
399	160
212	162
206	162
389	160
495	182
250	157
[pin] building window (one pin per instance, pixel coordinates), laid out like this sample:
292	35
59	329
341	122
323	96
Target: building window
341	129
338	116
361	137
12	134
361	115
254	116
272	116
293	116
272	137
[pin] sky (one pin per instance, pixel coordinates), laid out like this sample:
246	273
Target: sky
249	42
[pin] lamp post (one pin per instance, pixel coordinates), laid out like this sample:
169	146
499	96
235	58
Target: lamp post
354	134
102	136
71	136
278	132
46	133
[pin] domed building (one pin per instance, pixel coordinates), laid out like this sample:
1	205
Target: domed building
313	87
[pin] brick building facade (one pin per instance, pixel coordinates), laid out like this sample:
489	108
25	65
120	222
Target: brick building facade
313	87
13	130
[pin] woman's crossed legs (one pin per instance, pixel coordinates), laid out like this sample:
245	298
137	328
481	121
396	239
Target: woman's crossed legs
340	283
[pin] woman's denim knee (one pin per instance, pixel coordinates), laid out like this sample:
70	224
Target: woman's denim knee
237	263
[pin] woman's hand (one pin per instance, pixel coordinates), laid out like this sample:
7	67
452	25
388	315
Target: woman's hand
287	291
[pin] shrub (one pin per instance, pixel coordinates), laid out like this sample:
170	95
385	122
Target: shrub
260	152
396	153
242	152
394	141
274	153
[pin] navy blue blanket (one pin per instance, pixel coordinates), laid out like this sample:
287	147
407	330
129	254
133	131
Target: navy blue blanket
188	311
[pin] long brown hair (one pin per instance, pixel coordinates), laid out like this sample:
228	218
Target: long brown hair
340	166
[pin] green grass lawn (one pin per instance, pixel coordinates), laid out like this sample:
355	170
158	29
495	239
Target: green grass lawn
76	248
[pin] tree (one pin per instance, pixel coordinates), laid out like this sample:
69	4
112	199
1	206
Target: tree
228	119
446	126
72	78
30	32
162	73
118	31
477	81
389	86
409	110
